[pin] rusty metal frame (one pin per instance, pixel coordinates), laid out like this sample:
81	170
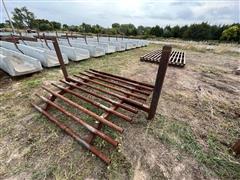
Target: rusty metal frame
119	92
177	58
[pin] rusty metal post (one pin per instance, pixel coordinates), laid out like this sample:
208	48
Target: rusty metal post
166	52
57	35
97	38
45	40
38	36
60	58
236	147
21	37
68	40
85	38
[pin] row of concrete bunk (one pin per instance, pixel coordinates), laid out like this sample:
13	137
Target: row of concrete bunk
20	55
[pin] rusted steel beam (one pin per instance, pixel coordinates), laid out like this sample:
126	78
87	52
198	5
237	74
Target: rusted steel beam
45	40
94	103
113	88
126	79
60	58
95	76
130	109
131	102
86	111
166	52
236	147
81	122
106	115
74	135
125	82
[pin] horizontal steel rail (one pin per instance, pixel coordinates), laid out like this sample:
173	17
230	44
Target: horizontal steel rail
73	134
97	88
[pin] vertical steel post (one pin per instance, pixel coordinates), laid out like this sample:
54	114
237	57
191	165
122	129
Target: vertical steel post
57	35
60	58
97	38
166	52
85	38
68	40
45	40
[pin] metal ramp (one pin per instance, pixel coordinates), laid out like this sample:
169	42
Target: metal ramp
114	95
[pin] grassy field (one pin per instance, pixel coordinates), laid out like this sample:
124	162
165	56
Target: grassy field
198	119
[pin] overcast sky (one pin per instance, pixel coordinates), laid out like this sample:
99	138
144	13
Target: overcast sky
138	12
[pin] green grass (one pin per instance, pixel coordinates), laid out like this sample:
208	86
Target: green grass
179	135
53	155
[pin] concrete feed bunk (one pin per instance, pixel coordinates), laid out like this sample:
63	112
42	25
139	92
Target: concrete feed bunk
47	59
108	47
17	64
93	50
74	54
51	56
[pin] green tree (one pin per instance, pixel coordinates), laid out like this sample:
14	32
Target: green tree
183	32
140	30
96	29
231	34
45	27
65	27
73	28
22	17
56	25
128	29
87	28
116	25
167	32
176	32
199	32
2	25
156	31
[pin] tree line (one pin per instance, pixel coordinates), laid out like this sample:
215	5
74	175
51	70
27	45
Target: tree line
23	18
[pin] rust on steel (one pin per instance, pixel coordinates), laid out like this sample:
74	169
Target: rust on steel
96	104
113	102
83	123
101	90
72	133
177	58
86	111
111	87
159	80
236	147
94	76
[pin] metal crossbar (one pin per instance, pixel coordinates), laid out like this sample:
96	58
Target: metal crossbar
177	58
99	88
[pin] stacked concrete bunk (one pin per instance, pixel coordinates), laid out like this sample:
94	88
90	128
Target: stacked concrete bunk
28	54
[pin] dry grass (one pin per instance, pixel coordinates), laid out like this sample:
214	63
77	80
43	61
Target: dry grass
197	121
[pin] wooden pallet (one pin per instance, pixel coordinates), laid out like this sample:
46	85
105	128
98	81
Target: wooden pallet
177	58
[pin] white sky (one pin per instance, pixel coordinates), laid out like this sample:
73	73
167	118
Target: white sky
138	12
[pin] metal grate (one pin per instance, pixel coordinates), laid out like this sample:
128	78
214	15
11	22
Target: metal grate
120	93
177	58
